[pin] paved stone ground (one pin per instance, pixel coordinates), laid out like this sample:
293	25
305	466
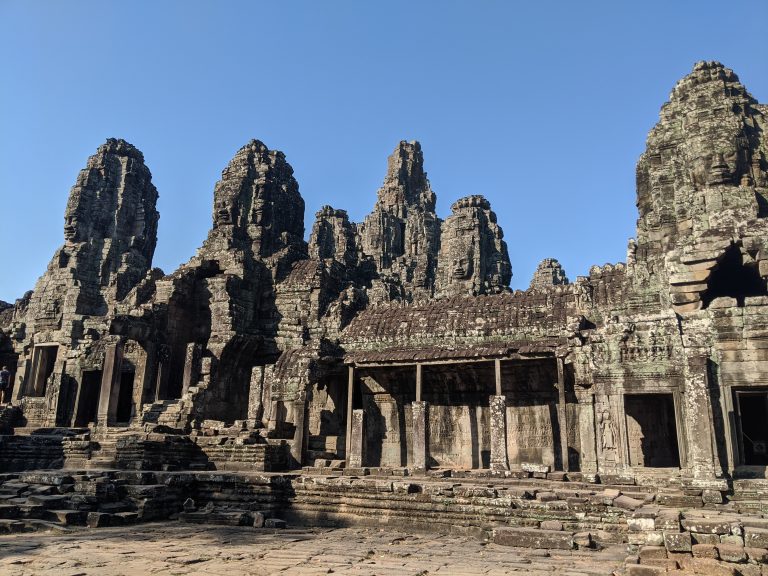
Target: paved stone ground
180	549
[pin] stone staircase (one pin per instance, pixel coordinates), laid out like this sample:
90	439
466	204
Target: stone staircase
325	448
172	414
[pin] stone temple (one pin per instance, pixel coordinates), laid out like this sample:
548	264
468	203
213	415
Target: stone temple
384	368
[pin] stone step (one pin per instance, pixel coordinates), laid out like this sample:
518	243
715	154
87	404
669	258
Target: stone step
533	538
8	526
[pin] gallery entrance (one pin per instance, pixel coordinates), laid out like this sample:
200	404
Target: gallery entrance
88	403
751	418
651	430
125	398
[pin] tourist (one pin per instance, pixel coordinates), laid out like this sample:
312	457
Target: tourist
5	383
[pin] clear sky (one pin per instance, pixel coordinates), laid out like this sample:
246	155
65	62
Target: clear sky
541	106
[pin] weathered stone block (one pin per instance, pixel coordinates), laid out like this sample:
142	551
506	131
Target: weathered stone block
677	541
731	553
756	537
533	538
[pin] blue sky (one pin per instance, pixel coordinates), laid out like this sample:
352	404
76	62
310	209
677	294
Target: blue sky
543	107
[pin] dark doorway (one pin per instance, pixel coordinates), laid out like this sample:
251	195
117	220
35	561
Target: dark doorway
43	363
125	398
651	430
733	279
752	408
88	403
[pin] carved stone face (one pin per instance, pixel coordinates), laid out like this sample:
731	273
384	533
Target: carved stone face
462	268
223	212
258	211
70	228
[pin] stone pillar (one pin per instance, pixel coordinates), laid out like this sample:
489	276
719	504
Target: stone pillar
348	415
110	384
587	435
357	443
299	415
498	408
255	400
191	366
23	371
562	413
418	382
163	372
497	372
419	437
144	390
698	418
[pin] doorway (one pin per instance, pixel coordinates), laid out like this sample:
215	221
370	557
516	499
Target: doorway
88	403
651	430
752	415
43	363
125	398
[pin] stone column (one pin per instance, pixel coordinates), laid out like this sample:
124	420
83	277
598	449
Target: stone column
144	390
418	382
498	408
255	400
587	435
357	443
163	372
299	414
698	418
23	371
348	415
562	413
110	384
191	366
419	436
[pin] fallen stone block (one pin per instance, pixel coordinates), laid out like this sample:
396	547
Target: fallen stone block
757	555
706	526
756	537
275	523
713	539
125	517
712	496
705	551
583	540
677	541
733	539
533	538
68	517
712	567
9	511
98	519
219	517
732	553
533	467
652	553
551	525
627	503
644	570
47	501
9	526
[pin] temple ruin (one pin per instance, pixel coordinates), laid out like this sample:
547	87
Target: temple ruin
395	346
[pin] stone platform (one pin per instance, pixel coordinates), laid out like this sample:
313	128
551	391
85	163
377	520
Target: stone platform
661	528
227	551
